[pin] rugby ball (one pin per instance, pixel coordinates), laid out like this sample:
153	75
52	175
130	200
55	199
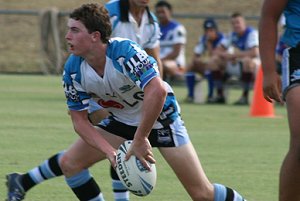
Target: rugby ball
134	176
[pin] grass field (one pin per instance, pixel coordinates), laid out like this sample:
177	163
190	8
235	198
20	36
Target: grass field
235	149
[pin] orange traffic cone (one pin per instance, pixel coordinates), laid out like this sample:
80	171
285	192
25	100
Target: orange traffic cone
260	107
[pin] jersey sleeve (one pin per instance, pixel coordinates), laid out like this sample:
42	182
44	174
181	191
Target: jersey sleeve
252	40
77	98
226	41
200	47
139	66
180	35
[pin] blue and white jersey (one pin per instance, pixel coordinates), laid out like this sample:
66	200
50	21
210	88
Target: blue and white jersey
291	35
146	34
245	42
171	34
128	70
200	48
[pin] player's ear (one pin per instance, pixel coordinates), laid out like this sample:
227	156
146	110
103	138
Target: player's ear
96	36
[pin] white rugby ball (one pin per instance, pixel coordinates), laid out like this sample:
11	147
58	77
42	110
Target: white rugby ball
134	176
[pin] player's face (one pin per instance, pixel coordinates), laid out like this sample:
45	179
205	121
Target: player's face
78	38
139	3
163	14
238	25
211	34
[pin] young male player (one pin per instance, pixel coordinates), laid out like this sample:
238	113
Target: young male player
121	77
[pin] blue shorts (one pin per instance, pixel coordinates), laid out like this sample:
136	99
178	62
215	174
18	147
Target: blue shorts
173	135
290	69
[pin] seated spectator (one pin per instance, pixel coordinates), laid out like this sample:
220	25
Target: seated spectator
172	42
207	44
238	55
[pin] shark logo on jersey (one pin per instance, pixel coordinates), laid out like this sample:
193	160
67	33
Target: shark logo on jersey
296	75
110	103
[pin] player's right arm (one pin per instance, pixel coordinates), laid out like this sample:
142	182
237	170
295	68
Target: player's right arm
78	102
90	135
270	14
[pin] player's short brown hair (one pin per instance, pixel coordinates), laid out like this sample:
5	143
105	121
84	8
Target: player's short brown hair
95	18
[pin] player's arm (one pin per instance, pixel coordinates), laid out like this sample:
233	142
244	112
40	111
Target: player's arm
221	51
154	98
268	36
90	135
154	52
268	33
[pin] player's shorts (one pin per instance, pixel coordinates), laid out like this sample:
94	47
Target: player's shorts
234	69
290	69
173	135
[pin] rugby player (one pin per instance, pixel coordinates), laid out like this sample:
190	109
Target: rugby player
119	75
207	44
287	89
238	54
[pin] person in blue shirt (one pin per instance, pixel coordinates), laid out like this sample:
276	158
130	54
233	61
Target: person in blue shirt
238	55
285	88
172	42
207	44
121	77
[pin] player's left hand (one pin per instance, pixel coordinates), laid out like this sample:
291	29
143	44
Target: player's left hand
142	149
272	87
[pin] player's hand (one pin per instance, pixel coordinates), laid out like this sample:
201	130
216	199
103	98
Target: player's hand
272	87
112	158
142	149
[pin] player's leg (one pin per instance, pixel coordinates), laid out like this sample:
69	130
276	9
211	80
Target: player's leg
189	171
77	159
248	71
290	170
19	184
216	65
96	115
172	71
120	191
112	126
185	163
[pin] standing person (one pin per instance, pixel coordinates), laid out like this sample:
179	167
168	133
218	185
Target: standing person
172	42
238	54
288	90
133	19
207	43
120	76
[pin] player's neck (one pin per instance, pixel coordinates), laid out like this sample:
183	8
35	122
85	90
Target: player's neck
165	22
137	13
97	58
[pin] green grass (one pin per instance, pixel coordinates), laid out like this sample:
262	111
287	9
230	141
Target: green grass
235	149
